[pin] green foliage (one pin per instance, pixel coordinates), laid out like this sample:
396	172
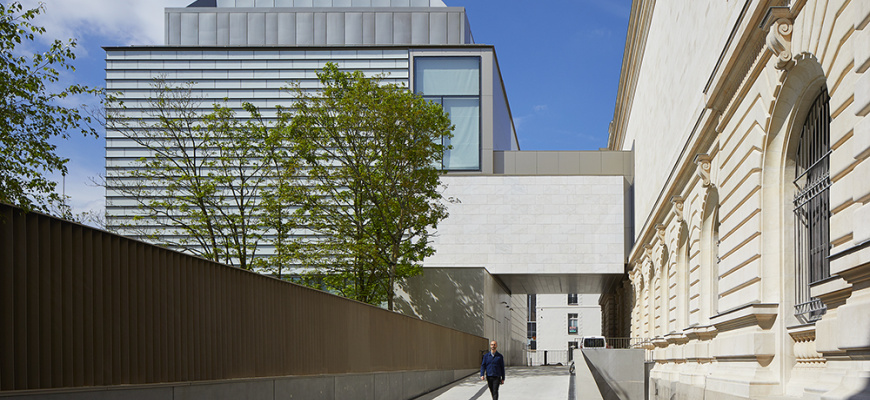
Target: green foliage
30	112
202	176
370	153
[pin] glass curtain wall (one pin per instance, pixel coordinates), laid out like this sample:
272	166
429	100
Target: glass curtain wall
454	83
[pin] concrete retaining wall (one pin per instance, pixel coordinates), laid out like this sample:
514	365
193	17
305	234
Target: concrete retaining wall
374	386
618	373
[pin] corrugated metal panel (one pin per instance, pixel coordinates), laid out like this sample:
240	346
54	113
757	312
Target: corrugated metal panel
401	28
238	29
384	28
208	29
335	28
189	29
438	28
286	28
256	29
368	36
419	28
454	28
353	28
173	28
271	28
83	307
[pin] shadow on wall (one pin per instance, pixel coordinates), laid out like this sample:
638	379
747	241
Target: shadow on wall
451	297
619	374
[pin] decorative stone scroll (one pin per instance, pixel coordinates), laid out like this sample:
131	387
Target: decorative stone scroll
647	254
660	233
704	163
677	201
780	27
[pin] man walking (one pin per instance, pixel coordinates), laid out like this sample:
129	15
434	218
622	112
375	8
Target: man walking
492	369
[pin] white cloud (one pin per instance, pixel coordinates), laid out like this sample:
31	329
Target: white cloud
539	108
123	22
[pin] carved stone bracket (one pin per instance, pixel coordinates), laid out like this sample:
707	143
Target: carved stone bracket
706	332
659	342
677	201
758	314
660	232
779	24
704	163
677	338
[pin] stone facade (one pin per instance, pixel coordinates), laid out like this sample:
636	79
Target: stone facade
719	94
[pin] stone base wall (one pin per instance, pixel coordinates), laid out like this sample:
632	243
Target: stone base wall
386	386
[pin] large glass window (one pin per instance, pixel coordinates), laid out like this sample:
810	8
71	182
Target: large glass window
812	208
454	83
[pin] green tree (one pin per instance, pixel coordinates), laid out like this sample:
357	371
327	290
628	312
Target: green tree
200	177
279	201
31	113
370	153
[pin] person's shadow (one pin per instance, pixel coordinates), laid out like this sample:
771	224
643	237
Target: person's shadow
434	394
479	393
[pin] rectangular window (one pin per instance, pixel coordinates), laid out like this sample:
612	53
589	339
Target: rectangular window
532	323
532	301
572	324
572	299
454	83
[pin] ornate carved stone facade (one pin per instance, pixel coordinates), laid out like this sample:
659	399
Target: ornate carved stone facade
717	99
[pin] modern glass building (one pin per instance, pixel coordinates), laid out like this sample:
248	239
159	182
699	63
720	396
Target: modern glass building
527	223
247	51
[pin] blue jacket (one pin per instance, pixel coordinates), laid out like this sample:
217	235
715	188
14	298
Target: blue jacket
492	365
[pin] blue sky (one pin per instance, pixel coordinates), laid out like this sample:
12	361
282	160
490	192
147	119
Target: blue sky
560	61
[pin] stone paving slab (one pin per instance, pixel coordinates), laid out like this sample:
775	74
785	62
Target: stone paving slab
525	383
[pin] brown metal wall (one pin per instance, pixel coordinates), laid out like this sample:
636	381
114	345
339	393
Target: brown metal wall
83	307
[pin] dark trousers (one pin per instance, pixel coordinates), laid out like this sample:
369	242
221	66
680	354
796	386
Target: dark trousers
493	382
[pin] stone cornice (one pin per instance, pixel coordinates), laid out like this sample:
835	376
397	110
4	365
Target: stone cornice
759	314
741	61
741	48
676	338
833	292
632	58
659	342
700	332
803	332
857	276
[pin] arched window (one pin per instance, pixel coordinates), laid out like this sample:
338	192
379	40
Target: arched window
681	295
710	256
812	208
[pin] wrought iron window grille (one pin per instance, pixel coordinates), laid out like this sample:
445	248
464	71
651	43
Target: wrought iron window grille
812	209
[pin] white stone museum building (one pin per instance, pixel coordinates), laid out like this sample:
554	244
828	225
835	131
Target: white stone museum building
750	266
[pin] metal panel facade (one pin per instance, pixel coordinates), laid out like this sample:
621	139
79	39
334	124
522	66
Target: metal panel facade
317	26
83	307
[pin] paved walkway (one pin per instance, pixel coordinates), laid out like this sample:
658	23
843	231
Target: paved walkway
525	383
